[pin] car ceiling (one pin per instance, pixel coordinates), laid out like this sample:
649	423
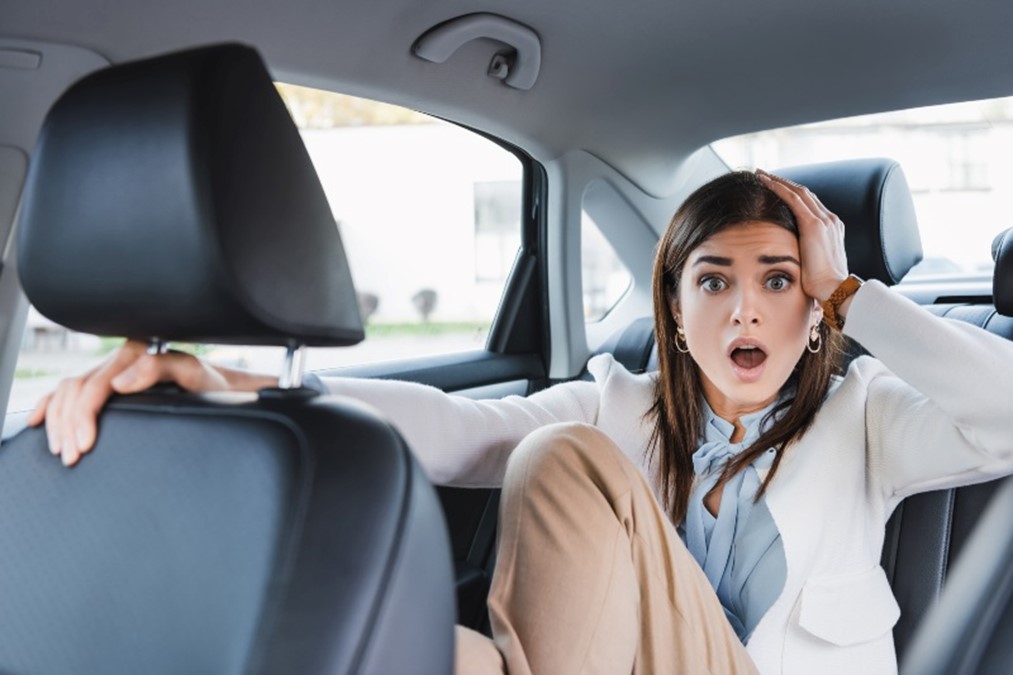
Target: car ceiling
639	84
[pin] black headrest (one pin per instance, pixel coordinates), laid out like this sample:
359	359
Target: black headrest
1002	278
174	198
872	197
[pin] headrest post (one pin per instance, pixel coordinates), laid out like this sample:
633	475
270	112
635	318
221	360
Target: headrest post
292	369
157	346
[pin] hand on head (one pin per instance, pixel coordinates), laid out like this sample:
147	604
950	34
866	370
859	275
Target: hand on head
71	410
820	240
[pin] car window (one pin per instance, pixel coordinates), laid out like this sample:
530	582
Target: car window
954	157
604	277
430	215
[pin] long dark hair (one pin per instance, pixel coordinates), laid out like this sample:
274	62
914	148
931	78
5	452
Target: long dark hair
727	201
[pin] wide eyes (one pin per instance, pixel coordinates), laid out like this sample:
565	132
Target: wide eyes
713	284
777	282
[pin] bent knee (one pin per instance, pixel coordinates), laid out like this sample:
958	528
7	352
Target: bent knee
567	450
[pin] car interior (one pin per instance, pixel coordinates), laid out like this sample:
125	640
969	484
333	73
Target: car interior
153	186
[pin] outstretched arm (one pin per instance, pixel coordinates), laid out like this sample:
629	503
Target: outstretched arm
456	439
462	441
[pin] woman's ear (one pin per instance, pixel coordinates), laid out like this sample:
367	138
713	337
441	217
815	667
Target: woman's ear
817	313
673	307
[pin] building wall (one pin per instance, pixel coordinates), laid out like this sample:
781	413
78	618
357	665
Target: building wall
404	198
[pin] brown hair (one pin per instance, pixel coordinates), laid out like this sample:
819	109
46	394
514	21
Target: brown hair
727	201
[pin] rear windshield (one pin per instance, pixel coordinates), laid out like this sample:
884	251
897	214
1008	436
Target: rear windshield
956	158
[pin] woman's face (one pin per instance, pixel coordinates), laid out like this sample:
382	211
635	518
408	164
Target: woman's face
745	316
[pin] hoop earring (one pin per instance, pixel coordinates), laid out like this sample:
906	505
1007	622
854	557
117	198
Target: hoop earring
681	334
815	337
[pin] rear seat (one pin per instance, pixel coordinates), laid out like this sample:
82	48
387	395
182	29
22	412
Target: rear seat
970	628
927	531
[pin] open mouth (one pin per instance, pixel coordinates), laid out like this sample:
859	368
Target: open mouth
747	359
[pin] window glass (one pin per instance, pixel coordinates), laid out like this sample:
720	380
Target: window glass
604	277
955	158
430	216
48	353
497	223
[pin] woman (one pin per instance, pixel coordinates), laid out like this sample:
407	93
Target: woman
780	474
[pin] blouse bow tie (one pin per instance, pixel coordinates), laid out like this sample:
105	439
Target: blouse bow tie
713	552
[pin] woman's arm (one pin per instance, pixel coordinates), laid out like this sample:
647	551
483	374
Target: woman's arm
940	400
457	440
938	408
461	441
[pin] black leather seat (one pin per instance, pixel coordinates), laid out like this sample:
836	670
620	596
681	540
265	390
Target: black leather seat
968	629
279	532
927	531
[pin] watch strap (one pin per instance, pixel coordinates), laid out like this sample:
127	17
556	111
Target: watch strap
832	306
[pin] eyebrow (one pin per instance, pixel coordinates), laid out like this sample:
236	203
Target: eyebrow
727	262
713	260
775	259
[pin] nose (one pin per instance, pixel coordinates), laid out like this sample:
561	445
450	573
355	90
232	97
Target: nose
747	310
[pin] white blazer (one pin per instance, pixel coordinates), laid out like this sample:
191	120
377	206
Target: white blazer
932	410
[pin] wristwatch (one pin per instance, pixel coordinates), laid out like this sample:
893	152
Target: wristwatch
832	306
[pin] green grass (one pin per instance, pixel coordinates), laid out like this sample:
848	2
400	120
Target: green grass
376	330
109	344
28	373
373	330
191	348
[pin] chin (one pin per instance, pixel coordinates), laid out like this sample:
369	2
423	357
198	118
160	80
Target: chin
754	394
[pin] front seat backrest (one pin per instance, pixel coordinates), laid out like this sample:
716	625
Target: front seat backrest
235	533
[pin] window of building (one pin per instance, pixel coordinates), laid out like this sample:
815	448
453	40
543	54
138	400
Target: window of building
966	161
497	229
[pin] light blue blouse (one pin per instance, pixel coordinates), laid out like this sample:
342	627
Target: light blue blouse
740	551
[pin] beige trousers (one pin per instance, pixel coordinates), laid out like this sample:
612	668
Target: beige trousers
591	576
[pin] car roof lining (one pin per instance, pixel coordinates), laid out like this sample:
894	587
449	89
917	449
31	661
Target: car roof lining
625	86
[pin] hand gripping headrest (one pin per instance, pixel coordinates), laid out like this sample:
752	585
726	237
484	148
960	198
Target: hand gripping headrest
173	198
872	197
1002	278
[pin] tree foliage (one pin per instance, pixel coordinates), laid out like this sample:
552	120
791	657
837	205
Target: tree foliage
318	109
